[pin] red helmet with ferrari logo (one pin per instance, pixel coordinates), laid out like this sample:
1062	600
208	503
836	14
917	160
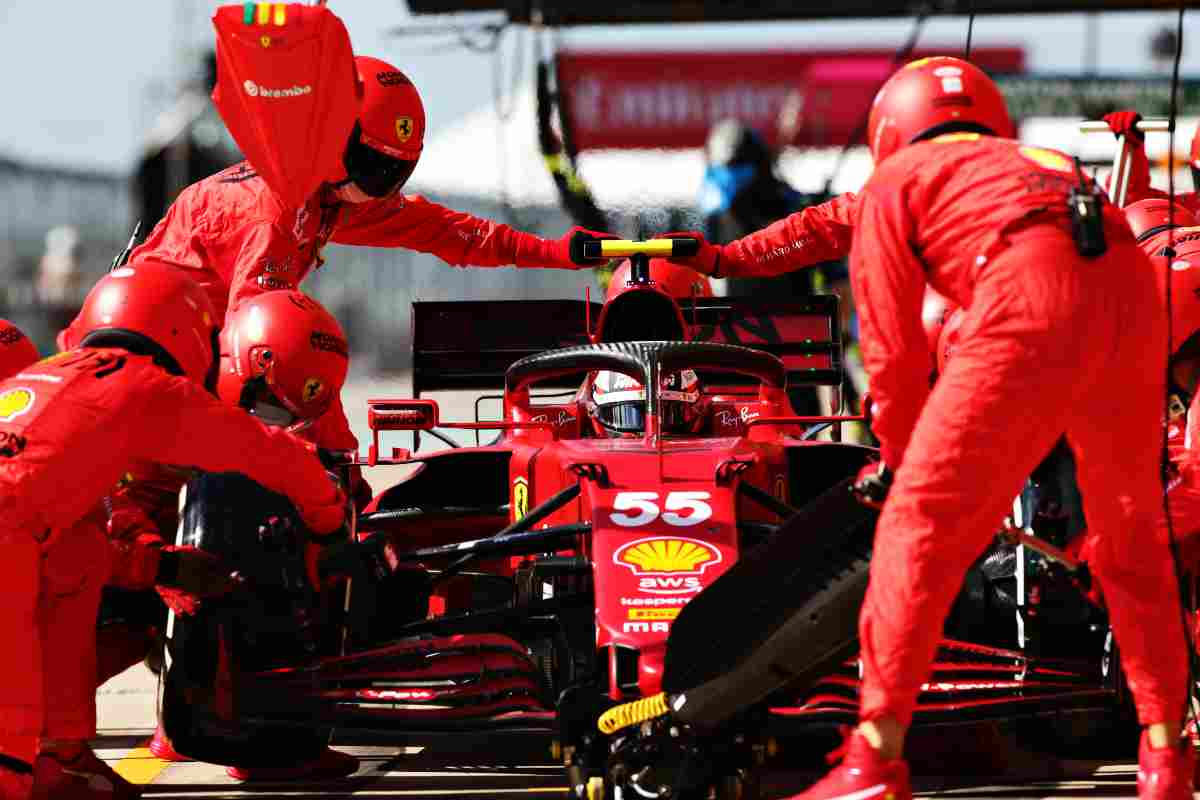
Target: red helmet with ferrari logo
16	351
1154	215
390	133
283	358
154	309
931	96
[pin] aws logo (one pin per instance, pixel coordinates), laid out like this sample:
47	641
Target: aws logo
15	402
667	555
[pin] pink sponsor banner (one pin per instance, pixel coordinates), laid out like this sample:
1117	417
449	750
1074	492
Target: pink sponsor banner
671	99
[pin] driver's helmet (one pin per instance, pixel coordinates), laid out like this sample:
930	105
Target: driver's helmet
618	403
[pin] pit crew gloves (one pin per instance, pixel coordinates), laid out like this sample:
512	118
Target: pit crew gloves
872	484
707	260
567	251
1124	123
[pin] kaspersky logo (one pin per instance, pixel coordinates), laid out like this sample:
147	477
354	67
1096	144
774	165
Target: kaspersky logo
667	564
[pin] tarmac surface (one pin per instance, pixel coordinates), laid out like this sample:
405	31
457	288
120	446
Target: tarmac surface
519	765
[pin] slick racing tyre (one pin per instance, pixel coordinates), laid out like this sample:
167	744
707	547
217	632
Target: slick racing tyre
211	707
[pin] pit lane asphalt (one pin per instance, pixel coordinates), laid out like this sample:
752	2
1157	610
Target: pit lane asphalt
501	765
518	765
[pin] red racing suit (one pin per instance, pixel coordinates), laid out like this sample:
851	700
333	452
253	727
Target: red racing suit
69	428
142	514
1051	343
807	237
237	239
142	509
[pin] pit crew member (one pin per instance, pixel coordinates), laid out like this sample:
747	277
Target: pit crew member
237	239
1043	350
1177	253
71	425
283	360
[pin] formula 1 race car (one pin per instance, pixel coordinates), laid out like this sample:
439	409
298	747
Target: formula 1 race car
663	603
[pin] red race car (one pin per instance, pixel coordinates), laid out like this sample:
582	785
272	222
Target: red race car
654	560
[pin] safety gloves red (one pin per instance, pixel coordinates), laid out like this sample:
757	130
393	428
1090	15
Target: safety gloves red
872	484
707	260
1124	123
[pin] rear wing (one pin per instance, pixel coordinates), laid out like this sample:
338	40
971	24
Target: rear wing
804	333
470	344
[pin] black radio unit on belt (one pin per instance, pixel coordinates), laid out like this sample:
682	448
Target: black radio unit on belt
1087	217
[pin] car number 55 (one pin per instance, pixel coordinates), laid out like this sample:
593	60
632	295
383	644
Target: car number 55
632	509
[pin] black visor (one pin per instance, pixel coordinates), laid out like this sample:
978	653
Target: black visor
376	173
630	417
623	417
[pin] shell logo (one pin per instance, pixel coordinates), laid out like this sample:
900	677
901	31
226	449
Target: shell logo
1048	159
15	402
667	555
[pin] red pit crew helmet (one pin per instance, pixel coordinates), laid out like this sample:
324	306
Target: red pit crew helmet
283	358
387	140
931	96
16	351
618	403
154	309
1154	215
1184	265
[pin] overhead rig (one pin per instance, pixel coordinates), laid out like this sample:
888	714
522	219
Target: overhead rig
598	12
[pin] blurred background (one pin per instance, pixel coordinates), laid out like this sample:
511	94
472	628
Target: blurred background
642	128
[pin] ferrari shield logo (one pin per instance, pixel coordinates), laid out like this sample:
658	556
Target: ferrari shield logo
520	498
15	402
313	389
779	489
404	128
265	41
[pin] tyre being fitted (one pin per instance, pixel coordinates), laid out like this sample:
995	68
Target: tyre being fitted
213	707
